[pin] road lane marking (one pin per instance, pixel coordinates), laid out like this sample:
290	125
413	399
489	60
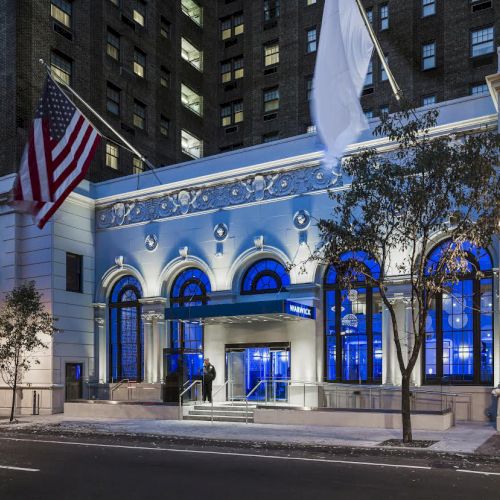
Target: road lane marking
206	452
24	469
479	472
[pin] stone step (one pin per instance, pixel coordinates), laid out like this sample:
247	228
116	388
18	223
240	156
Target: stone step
221	413
225	407
207	418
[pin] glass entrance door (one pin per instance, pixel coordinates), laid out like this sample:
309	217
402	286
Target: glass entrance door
247	366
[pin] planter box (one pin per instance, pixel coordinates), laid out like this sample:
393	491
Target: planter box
425	421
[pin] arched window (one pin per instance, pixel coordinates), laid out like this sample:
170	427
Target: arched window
265	276
126	334
353	326
459	329
185	354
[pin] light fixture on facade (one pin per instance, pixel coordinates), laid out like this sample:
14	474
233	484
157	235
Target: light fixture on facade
119	261
183	252
258	241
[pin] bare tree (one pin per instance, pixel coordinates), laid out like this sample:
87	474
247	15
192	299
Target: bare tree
404	201
23	320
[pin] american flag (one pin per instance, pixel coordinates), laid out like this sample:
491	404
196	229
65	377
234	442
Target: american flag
61	145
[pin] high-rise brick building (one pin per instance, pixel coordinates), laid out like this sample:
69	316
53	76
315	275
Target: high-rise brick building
186	78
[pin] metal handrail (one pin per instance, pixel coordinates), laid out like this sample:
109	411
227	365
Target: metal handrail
214	394
184	392
117	386
448	399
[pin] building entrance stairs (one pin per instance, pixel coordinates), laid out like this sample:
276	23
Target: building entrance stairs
230	412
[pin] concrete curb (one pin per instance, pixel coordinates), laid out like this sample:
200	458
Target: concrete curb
333	450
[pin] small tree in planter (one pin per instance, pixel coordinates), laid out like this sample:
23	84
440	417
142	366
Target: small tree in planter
22	321
404	201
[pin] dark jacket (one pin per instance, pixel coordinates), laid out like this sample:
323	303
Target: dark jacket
209	373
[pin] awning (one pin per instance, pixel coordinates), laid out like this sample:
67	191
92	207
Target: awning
243	312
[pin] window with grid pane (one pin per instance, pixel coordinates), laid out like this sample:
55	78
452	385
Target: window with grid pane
60	10
113	99
369	15
126	336
271	99
309	87
271	54
61	66
384	17
112	156
225	114
239	71
369	75
383	72
265	276
479	88
482	42
113	44
429	55
271	9
164	28
139	12
226	71
139	116
428	8
137	165
139	63
428	100
459	328
164	126
232	113
311	40
353	324
164	77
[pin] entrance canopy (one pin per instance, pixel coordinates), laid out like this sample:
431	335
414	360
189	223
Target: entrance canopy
243	312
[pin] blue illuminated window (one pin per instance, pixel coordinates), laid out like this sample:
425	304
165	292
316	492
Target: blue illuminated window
265	276
185	355
126	333
459	328
353	325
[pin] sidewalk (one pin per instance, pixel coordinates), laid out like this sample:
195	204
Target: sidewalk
465	438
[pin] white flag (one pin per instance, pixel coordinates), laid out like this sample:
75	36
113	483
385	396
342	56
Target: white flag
344	53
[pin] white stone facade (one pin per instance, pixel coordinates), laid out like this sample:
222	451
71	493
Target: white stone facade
256	194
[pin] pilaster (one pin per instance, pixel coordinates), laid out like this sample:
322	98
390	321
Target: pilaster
153	317
101	350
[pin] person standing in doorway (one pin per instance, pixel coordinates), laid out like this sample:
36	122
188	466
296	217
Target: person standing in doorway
209	375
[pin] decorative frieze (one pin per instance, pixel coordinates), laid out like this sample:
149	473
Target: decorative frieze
255	188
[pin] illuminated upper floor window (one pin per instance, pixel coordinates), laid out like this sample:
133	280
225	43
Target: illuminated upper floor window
191	54
191	145
139	13
61	66
232	26
191	100
193	10
60	10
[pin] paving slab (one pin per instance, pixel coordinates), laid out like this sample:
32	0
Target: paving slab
464	438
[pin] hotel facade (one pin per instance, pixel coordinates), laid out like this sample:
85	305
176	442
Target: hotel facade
149	274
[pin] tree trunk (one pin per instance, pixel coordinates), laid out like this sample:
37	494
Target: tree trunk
405	409
14	390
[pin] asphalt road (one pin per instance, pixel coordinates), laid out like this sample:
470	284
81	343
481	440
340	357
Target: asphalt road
51	467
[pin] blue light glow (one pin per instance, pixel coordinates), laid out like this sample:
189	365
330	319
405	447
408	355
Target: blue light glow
265	276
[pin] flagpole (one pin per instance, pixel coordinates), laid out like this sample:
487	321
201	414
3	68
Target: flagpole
394	85
97	115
